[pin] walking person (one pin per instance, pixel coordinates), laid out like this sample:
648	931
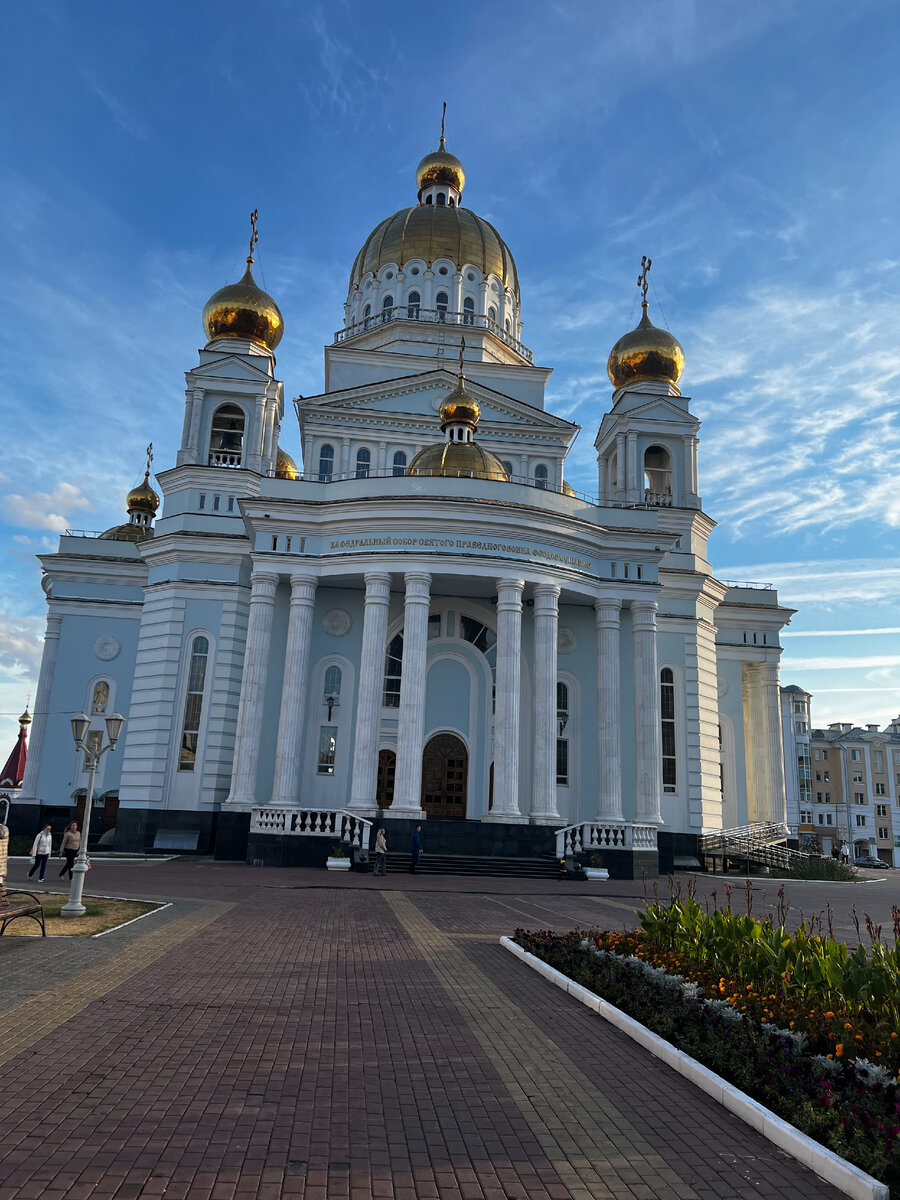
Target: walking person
845	853
40	852
380	853
69	847
415	849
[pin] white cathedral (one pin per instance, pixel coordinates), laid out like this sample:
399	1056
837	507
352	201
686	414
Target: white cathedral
426	623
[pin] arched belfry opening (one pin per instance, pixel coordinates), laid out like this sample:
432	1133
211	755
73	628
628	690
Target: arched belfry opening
227	436
657	476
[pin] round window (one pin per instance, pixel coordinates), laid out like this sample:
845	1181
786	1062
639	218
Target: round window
471	277
390	275
414	271
442	270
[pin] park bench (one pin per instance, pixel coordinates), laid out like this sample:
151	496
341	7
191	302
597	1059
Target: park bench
12	907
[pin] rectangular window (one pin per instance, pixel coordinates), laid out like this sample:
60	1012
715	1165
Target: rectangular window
828	797
856	755
821	819
878	762
859	798
667	713
828	818
640	571
202	501
327	746
562	761
626	571
806	816
193	705
746	639
287	544
818	797
434	626
231	503
818	776
216	501
825	777
880	810
883	832
880	789
857	776
861	820
816	755
824	756
612	570
274	541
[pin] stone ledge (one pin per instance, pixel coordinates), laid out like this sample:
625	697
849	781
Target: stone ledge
823	1162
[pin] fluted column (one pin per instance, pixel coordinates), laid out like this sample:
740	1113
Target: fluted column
506	718
411	724
546	624
631	469
620	466
294	688
647	738
250	708
41	709
768	754
601	477
368	696
609	711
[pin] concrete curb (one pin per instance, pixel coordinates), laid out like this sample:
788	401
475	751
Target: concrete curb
825	1163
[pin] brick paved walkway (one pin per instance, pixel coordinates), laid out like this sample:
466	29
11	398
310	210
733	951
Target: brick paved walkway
274	1035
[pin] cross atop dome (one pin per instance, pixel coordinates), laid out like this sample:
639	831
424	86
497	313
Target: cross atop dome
440	177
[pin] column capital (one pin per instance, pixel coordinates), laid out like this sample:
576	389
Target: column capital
54	627
378	587
546	599
631	435
643	614
303	588
263	584
418	587
608	613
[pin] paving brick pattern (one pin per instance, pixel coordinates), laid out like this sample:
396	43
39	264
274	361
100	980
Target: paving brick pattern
282	1036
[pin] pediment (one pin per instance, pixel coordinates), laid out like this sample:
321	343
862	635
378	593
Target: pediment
231	366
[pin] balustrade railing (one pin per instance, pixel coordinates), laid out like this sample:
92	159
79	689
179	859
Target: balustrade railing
604	835
433	316
339	824
224	458
657	499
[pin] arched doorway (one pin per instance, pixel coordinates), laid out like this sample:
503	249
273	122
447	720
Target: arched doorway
384	788
445	768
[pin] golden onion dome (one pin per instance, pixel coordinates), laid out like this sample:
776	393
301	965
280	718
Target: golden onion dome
645	353
440	167
25	718
460	408
285	467
127	533
244	310
464	460
143	498
567	488
431	231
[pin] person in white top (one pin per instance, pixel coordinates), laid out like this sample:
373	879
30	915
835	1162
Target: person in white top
40	852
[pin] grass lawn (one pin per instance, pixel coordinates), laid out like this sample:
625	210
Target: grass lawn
101	914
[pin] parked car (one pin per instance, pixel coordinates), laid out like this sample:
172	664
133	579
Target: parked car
869	861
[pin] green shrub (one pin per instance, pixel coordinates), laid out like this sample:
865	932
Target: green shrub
830	869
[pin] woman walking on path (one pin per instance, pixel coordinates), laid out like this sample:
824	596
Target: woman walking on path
69	847
380	853
40	852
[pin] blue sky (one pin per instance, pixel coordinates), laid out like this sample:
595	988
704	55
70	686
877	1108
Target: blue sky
749	149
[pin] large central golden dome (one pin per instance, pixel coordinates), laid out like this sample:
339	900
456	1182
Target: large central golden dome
430	232
458	460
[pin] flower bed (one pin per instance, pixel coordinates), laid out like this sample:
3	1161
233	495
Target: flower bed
850	1105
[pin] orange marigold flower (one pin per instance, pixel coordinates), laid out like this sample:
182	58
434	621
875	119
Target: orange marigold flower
847	1025
828	1014
839	1049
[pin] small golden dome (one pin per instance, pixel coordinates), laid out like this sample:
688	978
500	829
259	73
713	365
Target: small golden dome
460	408
567	488
645	353
143	498
440	167
464	460
127	533
243	310
25	718
285	467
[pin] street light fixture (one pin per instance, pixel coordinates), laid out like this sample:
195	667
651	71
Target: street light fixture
92	755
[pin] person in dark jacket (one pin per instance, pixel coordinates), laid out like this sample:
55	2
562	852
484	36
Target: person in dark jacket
415	849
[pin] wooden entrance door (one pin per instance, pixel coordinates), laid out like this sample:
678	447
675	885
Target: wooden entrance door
384	789
445	767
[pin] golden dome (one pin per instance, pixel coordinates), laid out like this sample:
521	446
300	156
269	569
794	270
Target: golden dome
440	167
432	231
25	718
460	408
143	498
127	533
567	488
466	460
243	310
285	467
645	353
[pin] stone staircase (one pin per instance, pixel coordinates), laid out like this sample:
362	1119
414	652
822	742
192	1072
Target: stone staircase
542	867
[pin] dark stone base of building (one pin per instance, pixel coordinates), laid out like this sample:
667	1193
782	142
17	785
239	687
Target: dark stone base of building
172	831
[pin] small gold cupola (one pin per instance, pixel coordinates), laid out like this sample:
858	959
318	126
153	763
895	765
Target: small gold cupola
459	456
243	309
142	503
440	177
646	353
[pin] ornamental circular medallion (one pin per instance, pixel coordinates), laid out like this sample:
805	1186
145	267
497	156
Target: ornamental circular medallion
337	623
106	649
565	640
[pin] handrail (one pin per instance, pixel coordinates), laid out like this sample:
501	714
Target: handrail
431	316
748	583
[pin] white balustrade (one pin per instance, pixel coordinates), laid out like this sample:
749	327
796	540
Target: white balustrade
339	824
604	835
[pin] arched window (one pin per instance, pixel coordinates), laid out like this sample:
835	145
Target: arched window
399	467
387	305
658	475
332	689
562	742
393	664
441	303
667	715
492	314
412	306
541	476
193	705
507	467
429	200
508	326
468	311
441	199
100	701
326	463
363	462
452	202
227	436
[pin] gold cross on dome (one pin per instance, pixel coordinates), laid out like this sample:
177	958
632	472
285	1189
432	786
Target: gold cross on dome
254	236
643	280
462	350
149	457
443	119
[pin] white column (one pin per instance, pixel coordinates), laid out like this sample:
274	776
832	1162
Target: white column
368	699
506	718
293	690
647	738
345	456
456	294
768	751
194	439
631	470
620	466
41	709
382	457
546	624
601	477
609	707
250	709
427	292
411	723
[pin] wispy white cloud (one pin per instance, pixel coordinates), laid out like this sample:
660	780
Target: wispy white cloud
45	510
842	663
123	116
